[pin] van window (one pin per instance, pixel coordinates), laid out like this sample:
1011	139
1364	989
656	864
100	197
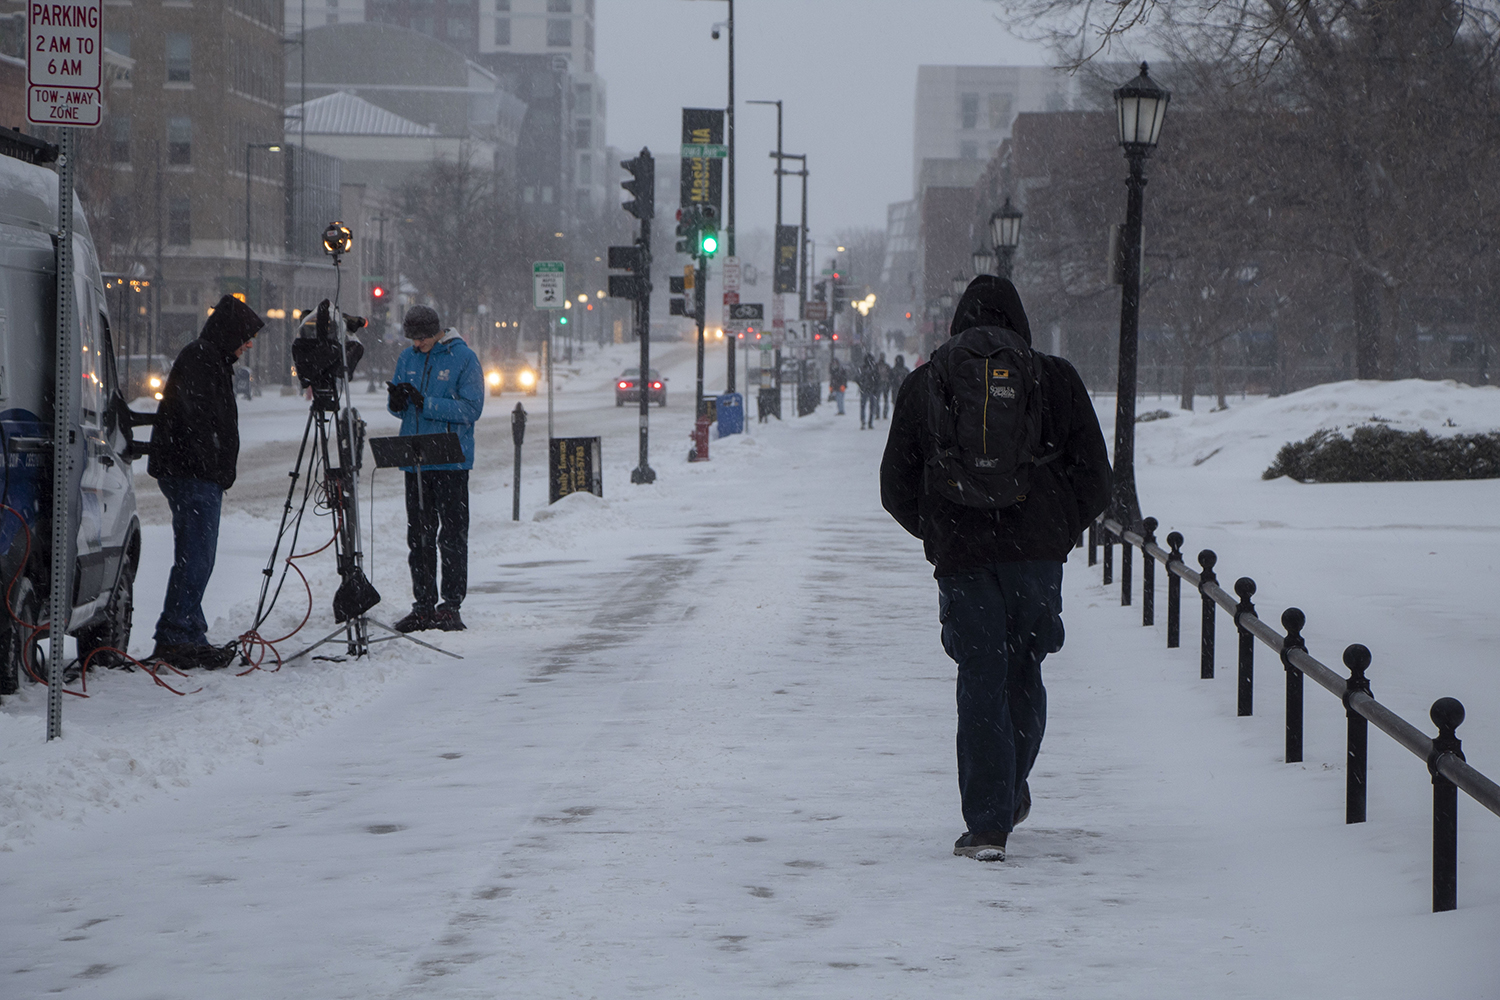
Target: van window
91	386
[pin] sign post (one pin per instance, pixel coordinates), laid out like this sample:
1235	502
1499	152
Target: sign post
549	290
64	73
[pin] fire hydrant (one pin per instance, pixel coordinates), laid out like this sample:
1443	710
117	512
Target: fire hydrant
699	438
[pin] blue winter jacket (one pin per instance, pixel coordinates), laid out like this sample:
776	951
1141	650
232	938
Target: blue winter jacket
452	387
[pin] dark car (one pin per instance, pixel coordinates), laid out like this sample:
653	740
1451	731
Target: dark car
627	388
513	375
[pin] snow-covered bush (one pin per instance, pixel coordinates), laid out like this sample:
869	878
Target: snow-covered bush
1381	455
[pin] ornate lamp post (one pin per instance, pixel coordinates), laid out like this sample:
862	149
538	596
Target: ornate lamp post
984	262
1005	232
1140	106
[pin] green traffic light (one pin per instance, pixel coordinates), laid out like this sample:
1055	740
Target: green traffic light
710	244
563	320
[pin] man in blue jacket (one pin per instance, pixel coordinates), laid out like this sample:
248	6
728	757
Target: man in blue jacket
437	388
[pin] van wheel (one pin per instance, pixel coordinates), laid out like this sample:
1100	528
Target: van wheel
18	650
114	631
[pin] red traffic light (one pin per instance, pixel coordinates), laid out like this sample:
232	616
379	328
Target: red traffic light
378	292
835	336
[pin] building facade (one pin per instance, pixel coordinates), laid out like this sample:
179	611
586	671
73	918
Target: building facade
966	112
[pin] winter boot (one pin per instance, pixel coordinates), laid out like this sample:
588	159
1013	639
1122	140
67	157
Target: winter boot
446	618
420	620
981	846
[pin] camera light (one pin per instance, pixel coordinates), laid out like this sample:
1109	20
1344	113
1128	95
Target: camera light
337	239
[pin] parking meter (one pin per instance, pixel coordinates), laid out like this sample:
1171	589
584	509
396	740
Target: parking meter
518	432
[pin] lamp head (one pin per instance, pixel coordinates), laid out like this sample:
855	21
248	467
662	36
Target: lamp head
1140	106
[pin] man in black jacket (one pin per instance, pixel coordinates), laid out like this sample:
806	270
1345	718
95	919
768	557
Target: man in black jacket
195	447
999	572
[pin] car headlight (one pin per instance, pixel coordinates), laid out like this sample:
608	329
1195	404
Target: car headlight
493	378
528	378
154	382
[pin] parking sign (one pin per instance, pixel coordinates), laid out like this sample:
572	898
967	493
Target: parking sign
64	63
549	284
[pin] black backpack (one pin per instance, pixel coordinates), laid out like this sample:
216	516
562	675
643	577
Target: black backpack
984	418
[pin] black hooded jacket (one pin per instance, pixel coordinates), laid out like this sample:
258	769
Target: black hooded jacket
197	431
1065	494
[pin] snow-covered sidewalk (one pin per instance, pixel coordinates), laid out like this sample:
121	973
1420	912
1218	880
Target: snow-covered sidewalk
701	745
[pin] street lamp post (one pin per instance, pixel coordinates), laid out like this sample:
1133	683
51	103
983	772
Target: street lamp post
984	262
1005	232
270	147
1140	106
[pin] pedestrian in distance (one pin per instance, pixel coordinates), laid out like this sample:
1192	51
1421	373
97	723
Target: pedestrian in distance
883	381
899	371
869	391
195	450
995	461
838	383
438	387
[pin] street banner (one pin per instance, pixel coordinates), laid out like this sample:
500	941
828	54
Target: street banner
65	63
549	284
574	466
702	176
786	260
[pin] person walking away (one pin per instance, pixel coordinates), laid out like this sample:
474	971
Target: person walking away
883	378
996	462
195	450
899	371
869	395
838	383
438	387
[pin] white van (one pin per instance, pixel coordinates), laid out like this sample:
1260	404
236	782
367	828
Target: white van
108	530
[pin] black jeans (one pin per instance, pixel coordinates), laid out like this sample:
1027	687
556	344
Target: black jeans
439	526
999	622
195	506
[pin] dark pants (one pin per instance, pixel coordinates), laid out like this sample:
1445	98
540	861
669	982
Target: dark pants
869	406
195	508
999	621
439	526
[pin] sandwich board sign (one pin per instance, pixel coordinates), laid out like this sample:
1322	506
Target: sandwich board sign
65	63
549	284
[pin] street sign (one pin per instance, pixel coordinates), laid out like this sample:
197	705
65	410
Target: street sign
731	274
815	310
747	311
549	284
704	151
64	63
573	466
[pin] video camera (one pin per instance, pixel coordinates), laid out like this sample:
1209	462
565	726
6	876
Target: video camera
329	354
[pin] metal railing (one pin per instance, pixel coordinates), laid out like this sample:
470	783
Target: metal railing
1443	754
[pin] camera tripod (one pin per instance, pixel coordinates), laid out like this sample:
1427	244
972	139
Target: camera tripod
336	436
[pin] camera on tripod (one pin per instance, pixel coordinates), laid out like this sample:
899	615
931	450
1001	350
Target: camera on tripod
325	355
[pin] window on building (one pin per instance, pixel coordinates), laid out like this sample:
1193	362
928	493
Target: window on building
528	195
583	132
999	111
585	169
968	151
559	6
118	41
119	138
179	57
179	221
968	110
559	32
502	31
179	140
546	194
460	27
582	200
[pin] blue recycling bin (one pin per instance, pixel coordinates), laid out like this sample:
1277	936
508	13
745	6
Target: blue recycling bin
731	406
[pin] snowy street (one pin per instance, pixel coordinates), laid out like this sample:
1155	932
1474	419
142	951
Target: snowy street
701	744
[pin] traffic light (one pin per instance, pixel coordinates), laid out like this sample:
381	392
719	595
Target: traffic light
377	293
636	284
708	232
687	233
641	186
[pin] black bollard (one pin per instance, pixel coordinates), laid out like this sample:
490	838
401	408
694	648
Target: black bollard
1292	619
1174	592
1206	560
1127	551
1109	555
1448	715
518	433
1245	588
1148	573
1357	757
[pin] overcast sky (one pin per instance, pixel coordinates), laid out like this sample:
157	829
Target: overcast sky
846	71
